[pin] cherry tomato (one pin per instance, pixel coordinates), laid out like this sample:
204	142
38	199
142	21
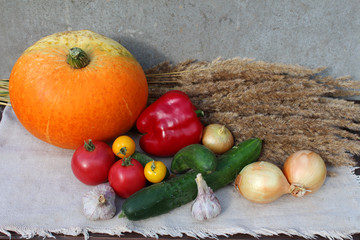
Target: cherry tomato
155	171
91	162
123	146
126	177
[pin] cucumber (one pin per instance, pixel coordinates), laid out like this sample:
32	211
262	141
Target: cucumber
163	197
196	157
144	159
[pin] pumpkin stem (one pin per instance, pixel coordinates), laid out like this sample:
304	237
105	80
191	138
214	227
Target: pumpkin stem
77	58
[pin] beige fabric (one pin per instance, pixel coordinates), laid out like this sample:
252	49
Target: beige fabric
40	196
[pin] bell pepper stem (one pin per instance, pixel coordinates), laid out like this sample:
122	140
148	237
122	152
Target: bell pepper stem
199	113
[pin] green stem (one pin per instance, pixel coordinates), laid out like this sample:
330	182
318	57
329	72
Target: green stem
199	113
77	58
153	166
126	162
89	146
122	151
122	214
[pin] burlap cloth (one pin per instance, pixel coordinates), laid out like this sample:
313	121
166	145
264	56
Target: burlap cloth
40	196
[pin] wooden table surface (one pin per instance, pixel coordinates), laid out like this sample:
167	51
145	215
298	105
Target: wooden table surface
135	236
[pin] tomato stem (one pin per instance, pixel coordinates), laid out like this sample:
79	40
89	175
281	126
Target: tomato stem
153	166
126	162
89	146
77	58
122	151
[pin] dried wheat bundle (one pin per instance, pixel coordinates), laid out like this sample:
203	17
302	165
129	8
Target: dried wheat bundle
288	106
4	92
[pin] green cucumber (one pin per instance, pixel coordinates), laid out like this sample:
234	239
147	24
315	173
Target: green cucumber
196	157
144	159
163	197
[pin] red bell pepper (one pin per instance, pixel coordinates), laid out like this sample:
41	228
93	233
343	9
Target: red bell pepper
169	124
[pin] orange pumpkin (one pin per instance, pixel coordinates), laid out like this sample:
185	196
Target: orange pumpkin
77	85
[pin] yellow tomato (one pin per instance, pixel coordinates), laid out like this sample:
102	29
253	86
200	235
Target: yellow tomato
123	146
155	171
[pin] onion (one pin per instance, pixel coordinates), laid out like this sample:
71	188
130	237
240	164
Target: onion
306	172
217	138
262	182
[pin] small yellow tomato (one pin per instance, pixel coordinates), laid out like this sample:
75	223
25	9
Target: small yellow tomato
123	146
155	171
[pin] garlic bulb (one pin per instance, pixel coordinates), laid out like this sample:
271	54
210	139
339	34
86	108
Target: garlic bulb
206	205
99	203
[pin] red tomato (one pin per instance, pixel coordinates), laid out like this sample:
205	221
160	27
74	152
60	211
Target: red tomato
126	177
92	161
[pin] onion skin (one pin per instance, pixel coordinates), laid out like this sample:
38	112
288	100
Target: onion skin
262	182
305	169
217	138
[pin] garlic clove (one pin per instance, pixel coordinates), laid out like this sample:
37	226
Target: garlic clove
206	204
99	203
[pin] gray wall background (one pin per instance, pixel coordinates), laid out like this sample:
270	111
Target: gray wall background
308	33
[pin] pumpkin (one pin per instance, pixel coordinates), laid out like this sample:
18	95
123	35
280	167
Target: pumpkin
77	85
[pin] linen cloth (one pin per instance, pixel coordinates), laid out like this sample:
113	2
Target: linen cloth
41	196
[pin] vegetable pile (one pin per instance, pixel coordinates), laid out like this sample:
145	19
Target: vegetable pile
90	91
